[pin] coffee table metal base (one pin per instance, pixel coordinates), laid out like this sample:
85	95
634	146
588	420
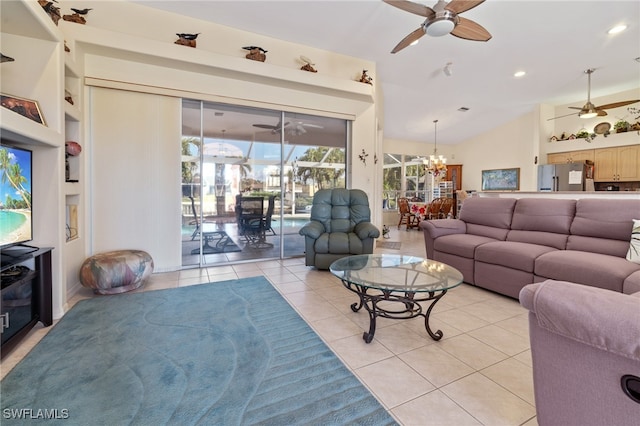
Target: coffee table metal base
374	301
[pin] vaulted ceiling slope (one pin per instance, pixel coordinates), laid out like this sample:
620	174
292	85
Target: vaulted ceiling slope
553	41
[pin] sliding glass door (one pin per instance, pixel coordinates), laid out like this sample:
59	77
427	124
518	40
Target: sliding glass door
248	177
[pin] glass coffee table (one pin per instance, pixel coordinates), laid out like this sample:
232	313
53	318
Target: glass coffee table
391	286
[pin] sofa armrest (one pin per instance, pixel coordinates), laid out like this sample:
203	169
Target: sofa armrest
600	318
433	229
312	229
366	230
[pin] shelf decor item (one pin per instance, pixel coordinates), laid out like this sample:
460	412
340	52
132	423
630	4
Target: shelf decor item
621	126
51	9
24	107
78	16
256	53
308	64
185	39
364	78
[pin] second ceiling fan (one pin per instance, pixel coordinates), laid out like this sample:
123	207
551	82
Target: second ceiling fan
589	110
443	19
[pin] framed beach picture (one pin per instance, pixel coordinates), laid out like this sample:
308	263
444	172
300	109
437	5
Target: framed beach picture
24	107
501	180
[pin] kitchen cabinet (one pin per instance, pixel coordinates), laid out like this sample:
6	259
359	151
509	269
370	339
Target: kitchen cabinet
617	164
571	156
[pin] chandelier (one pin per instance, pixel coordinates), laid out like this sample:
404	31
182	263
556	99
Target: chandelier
435	164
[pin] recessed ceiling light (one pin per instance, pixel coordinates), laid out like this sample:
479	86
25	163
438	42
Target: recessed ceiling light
520	74
413	43
617	29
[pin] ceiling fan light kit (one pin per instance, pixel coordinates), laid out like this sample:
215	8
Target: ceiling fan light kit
442	24
443	19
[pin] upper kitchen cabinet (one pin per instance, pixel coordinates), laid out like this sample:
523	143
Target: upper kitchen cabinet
617	164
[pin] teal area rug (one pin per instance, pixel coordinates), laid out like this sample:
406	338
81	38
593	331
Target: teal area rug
228	353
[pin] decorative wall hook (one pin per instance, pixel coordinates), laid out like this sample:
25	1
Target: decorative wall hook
363	157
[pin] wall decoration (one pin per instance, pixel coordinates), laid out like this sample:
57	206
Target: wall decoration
5	58
186	39
501	180
256	53
364	78
24	107
308	64
78	16
363	157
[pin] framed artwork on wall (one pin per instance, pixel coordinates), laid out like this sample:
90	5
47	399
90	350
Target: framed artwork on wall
24	107
501	179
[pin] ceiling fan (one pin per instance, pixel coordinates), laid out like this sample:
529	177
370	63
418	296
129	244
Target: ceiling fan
443	19
274	129
589	110
296	128
299	128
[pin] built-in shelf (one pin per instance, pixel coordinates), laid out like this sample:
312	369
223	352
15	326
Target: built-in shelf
152	52
28	19
23	130
71	112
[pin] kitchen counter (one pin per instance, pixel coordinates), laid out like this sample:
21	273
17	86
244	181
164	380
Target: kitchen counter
632	195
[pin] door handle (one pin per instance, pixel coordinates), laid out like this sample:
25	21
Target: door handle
4	321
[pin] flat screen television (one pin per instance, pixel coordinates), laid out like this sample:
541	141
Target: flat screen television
16	225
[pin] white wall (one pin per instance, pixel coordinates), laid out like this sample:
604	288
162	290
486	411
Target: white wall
510	146
135	174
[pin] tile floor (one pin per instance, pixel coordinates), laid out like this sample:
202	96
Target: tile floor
478	374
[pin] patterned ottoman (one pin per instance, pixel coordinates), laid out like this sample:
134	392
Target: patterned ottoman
116	271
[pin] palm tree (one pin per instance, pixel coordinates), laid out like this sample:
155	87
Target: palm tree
12	173
321	175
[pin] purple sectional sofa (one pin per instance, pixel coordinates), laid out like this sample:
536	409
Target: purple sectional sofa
503	244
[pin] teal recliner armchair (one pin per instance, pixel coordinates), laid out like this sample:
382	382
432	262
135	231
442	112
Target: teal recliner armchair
340	226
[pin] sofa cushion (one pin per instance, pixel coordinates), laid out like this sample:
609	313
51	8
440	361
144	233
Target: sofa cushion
557	241
595	317
594	269
631	284
633	254
515	255
545	215
338	243
463	245
603	226
491	215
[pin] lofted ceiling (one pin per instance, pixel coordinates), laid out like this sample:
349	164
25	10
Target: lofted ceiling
553	41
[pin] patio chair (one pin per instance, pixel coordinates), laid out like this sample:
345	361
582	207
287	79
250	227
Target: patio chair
256	228
406	216
196	220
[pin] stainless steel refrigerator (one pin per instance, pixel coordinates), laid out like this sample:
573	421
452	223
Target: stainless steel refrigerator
563	177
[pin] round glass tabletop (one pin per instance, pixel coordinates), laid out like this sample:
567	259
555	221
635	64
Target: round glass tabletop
392	272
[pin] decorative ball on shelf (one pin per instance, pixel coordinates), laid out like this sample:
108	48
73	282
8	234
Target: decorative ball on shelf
72	148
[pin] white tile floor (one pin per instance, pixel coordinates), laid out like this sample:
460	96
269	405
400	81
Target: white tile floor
478	374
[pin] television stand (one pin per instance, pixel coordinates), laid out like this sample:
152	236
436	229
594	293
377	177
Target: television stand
13	254
26	294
